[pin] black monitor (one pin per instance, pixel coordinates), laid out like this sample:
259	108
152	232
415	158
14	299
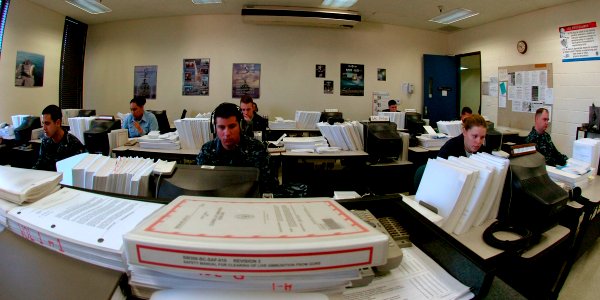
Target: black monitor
86	113
331	117
214	181
413	123
163	121
530	198
23	132
96	138
382	141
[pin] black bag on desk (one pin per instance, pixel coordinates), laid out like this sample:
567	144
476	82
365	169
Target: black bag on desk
594	120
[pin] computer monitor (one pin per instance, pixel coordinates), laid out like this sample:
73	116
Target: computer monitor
413	123
86	113
96	138
331	117
382	141
214	181
23	132
530	198
163	121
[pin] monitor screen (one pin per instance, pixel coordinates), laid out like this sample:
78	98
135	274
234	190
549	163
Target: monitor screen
96	138
163	121
382	141
413	123
86	112
23	132
530	198
215	181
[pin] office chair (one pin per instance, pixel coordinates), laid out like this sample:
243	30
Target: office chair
183	113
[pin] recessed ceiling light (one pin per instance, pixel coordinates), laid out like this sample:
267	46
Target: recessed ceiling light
339	3
454	15
91	6
207	1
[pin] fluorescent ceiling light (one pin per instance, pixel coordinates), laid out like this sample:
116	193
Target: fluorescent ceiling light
463	68
91	6
339	3
207	1
454	15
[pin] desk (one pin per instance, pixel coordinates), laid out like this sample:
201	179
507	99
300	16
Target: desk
325	172
274	134
30	271
178	155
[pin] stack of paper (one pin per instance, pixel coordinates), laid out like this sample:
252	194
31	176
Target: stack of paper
193	132
307	119
395	117
17	120
280	123
5	206
346	136
587	150
169	140
430	141
78	125
24	185
304	143
117	138
465	191
317	245
451	128
82	225
569	176
67	114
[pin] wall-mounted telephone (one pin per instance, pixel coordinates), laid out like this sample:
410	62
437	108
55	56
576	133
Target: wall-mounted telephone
408	88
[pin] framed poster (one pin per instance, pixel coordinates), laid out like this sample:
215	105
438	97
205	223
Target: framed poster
144	81
29	70
320	71
381	74
328	87
245	80
352	80
196	74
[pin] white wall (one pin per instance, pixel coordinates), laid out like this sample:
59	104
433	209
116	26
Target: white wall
288	56
33	29
576	84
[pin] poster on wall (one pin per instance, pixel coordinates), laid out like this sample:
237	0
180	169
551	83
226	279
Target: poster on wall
381	74
196	72
579	42
144	81
246	80
328	87
380	102
29	71
320	71
352	80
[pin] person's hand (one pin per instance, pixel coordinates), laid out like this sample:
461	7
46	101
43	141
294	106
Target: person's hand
138	127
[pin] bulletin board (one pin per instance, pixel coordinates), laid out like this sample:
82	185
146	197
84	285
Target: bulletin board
521	91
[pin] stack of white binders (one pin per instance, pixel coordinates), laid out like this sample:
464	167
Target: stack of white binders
155	140
465	191
397	117
78	125
306	244
307	119
193	132
451	128
346	136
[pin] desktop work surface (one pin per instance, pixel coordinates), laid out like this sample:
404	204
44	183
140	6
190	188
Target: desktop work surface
31	271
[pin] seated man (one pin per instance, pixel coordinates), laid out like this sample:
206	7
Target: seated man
392	106
465	113
474	129
252	122
139	122
231	148
543	141
56	144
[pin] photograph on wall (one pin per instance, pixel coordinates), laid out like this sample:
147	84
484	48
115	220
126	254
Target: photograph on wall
196	73
381	74
29	71
579	42
320	71
144	80
352	80
328	87
246	80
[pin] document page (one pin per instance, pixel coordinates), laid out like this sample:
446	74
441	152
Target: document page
417	277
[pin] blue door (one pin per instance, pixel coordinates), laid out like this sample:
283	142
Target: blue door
440	84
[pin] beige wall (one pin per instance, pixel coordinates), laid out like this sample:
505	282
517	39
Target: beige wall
29	28
287	55
576	84
470	89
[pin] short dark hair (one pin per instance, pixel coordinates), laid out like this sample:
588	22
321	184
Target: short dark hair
539	111
246	99
466	110
392	102
226	110
138	100
54	111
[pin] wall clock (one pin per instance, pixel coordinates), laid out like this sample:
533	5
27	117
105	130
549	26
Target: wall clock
522	47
